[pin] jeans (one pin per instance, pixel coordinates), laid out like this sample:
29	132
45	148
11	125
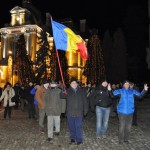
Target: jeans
51	122
102	118
75	127
125	123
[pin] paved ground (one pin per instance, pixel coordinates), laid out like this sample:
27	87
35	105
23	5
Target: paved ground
21	133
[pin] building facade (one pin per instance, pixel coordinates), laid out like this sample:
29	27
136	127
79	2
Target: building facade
31	32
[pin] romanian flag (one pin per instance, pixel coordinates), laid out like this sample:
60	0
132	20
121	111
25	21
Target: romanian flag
65	39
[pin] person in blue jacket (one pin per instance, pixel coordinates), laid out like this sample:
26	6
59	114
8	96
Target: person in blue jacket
125	108
33	91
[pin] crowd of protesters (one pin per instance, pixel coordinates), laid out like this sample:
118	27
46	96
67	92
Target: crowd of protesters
50	101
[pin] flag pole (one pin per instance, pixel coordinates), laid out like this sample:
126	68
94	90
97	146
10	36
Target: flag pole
63	82
60	68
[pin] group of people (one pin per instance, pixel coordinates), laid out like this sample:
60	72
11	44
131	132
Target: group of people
54	100
49	97
102	100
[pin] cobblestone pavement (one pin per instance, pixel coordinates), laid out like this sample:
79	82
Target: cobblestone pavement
22	133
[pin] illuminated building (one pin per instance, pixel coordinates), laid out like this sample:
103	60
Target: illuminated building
8	39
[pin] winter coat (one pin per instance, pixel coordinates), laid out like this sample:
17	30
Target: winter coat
29	96
126	102
100	97
7	97
22	93
63	106
39	96
76	102
33	91
52	102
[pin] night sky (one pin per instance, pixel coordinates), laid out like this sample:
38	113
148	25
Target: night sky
102	15
98	14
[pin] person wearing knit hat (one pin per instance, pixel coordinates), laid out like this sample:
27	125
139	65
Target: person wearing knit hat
77	107
73	79
53	84
45	83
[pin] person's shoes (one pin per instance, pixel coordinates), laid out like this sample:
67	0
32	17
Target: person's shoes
135	124
104	136
79	143
72	142
99	137
49	139
54	129
126	141
42	130
120	142
57	133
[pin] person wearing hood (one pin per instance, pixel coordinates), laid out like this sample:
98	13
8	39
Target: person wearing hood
76	108
102	103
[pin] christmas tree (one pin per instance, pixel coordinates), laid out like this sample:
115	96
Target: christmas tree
22	62
42	63
94	68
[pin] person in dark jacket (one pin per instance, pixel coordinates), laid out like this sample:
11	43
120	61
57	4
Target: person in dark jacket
33	92
88	90
53	105
136	102
17	90
22	95
102	103
30	100
76	108
125	108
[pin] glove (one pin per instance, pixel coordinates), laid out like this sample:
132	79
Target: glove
64	89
